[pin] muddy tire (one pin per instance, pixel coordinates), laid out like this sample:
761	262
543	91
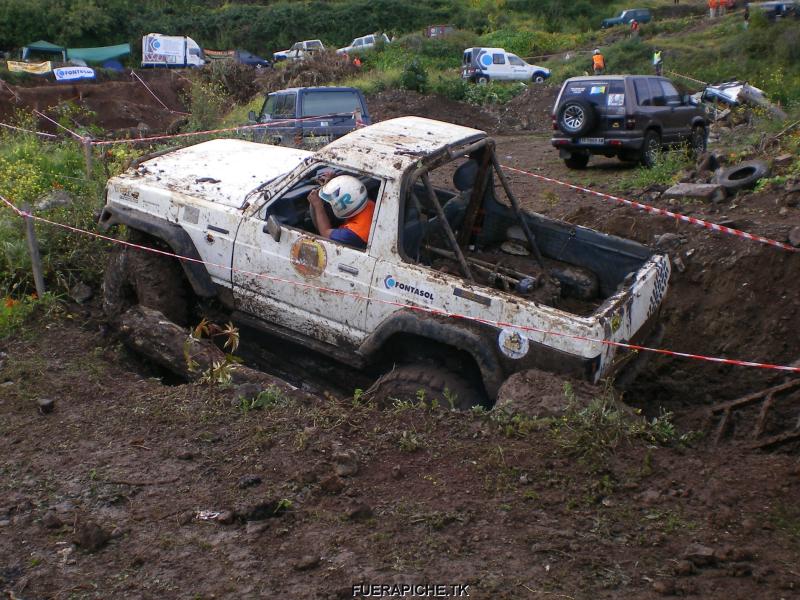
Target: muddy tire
699	140
651	147
482	79
538	78
576	117
743	176
140	277
425	382
577	161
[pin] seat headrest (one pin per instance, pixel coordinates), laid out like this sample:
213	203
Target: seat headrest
464	177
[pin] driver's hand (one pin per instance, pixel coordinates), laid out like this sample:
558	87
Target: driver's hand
314	198
325	177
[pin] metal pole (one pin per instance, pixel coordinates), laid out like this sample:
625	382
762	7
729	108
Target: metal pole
446	226
33	249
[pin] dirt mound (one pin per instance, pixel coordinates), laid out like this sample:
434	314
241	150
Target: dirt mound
321	69
530	111
400	103
112	105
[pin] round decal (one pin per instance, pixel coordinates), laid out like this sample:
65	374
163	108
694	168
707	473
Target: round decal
485	60
308	257
513	343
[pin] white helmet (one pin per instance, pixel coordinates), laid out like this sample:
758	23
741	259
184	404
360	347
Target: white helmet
346	195
596	51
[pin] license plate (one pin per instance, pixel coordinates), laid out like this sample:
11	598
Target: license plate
592	141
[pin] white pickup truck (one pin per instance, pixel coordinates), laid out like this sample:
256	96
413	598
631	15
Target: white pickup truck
458	287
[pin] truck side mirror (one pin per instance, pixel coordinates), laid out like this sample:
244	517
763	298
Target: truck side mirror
251	116
273	228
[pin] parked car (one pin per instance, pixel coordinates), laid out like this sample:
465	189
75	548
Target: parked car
438	31
641	15
484	64
363	43
629	116
175	51
776	10
248	58
335	107
300	50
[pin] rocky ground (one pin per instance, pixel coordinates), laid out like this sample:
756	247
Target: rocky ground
130	486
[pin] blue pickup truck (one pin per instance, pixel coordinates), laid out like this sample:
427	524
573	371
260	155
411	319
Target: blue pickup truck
309	117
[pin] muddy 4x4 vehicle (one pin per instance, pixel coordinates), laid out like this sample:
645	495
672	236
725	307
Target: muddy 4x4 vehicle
632	117
441	243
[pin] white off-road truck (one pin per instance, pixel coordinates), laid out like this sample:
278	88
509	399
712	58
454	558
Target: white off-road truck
457	289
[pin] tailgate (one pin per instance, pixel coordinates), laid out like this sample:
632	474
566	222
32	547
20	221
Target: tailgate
630	315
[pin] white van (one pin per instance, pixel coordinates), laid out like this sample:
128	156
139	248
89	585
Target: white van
482	65
363	43
160	50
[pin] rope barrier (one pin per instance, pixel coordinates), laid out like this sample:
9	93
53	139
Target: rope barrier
152	93
662	212
41	133
415	307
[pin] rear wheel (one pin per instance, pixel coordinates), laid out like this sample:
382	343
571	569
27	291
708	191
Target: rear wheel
651	148
577	161
420	382
482	79
134	276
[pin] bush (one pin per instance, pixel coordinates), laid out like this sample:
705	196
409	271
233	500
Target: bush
237	80
207	104
452	88
415	77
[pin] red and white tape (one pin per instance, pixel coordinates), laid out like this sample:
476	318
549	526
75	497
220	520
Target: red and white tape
152	93
41	133
663	212
415	307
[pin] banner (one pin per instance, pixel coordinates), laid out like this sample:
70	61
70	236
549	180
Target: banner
218	54
35	68
72	73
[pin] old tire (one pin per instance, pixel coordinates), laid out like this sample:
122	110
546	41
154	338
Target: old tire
425	382
576	116
577	161
153	280
743	176
651	148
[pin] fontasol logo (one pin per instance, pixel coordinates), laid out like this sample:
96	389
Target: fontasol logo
390	282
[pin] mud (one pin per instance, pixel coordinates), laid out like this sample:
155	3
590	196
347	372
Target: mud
130	488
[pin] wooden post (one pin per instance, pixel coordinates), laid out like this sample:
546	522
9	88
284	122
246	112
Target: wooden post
33	249
87	157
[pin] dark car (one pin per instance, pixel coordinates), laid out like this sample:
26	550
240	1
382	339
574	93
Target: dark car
631	117
641	15
248	58
310	117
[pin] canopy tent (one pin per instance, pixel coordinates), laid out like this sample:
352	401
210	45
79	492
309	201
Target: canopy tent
43	47
98	55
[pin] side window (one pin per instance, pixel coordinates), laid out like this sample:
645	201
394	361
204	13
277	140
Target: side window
291	207
657	93
269	105
643	95
515	60
285	105
673	98
370	39
359	42
498	59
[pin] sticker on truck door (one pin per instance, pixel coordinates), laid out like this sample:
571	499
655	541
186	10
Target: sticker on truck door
514	344
308	257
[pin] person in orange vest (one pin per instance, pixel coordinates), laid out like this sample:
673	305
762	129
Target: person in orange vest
347	196
598	62
634	28
357	61
712	8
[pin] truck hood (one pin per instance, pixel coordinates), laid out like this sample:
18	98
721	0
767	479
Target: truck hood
223	171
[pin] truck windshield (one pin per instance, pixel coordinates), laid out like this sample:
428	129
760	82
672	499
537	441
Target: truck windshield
330	103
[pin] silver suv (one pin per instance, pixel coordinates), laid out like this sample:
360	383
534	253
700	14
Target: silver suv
632	117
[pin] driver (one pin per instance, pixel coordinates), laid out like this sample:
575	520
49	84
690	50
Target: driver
348	199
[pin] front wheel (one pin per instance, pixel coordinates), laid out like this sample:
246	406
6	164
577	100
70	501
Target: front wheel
538	78
420	382
699	140
135	276
651	148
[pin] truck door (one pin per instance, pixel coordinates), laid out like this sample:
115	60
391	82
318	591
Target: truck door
302	282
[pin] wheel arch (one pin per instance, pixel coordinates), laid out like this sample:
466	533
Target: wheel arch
406	336
169	233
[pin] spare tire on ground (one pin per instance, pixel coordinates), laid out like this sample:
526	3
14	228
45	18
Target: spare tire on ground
743	176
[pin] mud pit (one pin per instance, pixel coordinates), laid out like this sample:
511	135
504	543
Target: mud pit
314	495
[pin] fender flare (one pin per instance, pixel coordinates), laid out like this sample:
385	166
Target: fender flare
443	330
171	234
